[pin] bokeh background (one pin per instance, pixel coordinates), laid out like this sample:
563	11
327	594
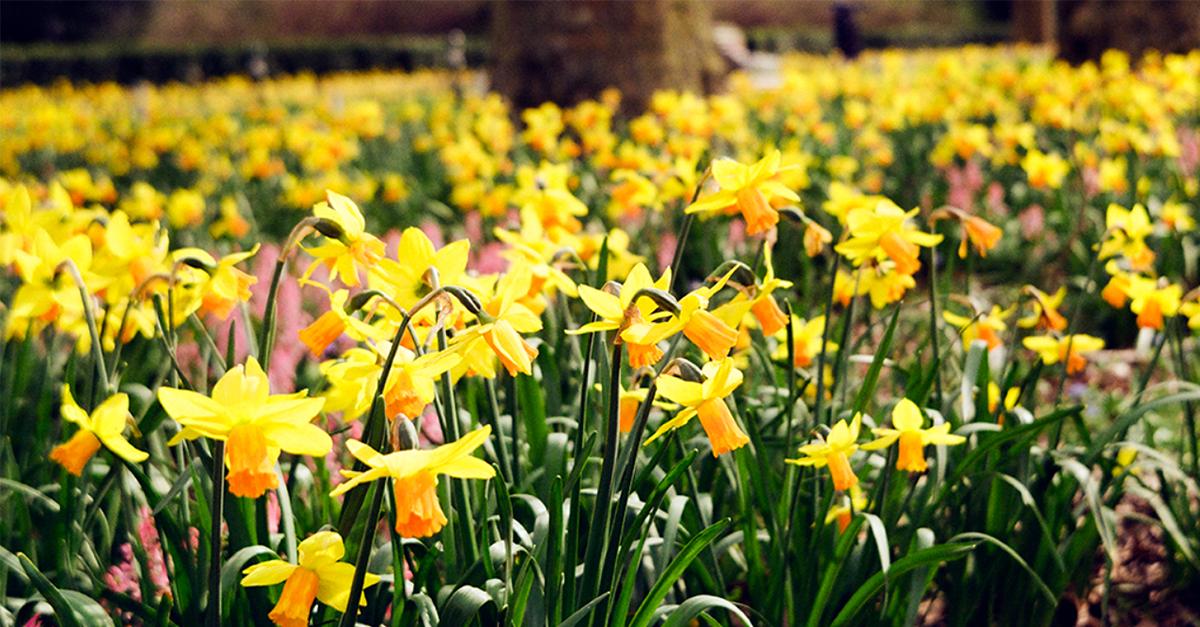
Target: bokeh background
537	51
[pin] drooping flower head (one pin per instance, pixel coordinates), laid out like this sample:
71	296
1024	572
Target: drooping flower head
834	450
320	575
1070	349
105	425
750	189
353	249
906	428
706	400
254	424
418	512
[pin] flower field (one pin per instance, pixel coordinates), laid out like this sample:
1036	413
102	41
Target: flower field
910	339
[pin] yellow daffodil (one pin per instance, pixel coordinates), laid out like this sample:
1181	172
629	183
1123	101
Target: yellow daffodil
1045	313
806	341
993	399
498	333
627	313
748	188
353	249
352	380
330	325
225	286
1153	301
1125	234
1045	170
1054	349
884	232
320	575
254	424
843	511
404	278
104	426
414	472
410	386
768	313
986	327
834	451
906	423
706	400
45	295
1177	217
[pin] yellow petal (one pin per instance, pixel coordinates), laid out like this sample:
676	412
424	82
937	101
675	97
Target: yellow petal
321	549
906	416
267	573
335	582
305	439
122	448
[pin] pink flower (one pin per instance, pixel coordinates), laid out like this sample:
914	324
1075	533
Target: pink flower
1032	219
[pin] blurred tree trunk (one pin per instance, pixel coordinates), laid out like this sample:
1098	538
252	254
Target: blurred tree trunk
1035	21
1089	27
565	52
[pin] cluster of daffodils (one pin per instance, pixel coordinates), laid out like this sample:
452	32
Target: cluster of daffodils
572	229
836	449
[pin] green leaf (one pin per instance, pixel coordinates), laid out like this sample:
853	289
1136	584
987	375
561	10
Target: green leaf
583	612
932	556
63	609
685	612
231	571
675	570
867	389
1051	598
31	492
464	605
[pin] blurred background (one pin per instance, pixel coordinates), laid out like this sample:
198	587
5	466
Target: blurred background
537	50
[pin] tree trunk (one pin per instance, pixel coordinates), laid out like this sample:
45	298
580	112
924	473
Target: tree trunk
564	52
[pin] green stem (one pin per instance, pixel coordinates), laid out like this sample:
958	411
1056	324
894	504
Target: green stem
933	330
213	617
501	451
93	332
267	341
601	518
349	618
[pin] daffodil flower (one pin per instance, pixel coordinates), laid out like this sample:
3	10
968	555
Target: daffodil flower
320	575
884	232
1045	310
403	278
45	296
1054	349
329	326
987	327
414	472
627	313
104	426
503	319
1044	170
906	423
355	247
410	387
768	313
226	286
1153	301
1126	231
834	451
993	399
843	512
254	424
352	379
748	188
705	400
806	341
